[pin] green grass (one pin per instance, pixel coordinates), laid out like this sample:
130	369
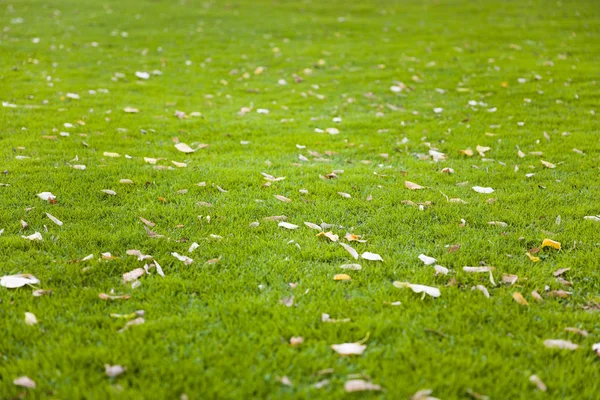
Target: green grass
210	331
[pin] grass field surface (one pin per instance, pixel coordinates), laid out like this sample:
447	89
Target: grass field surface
382	116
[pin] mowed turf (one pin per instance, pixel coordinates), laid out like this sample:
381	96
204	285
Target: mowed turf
506	75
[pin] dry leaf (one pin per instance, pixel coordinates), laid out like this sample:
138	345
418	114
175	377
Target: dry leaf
350	250
347	349
483	290
547	164
559	293
413	186
186	260
596	348
149	223
133	322
560	344
592	218
131	110
577	331
423	394
108	191
283	198
431	291
371	256
19	280
184	148
353	267
46	196
133	275
41	292
551	243
25	382
360	385
105	296
113	371
467	152
296	340
483	190
478	269
426	259
532	258
287	225
439	269
36	236
518	297
30	319
112	155
313	226
561	271
538	382
510	279
342	277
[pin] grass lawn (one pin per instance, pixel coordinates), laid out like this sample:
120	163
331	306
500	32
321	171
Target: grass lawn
351	97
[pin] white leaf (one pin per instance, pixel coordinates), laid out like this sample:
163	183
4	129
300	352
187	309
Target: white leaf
350	250
54	219
114	370
142	74
193	247
483	190
110	154
483	290
360	385
353	267
25	382
347	349
560	344
433	292
46	196
345	195
313	226
30	319
287	225
133	275
186	260
184	148
371	256
35	236
110	192
441	270
592	218
478	269
426	259
159	270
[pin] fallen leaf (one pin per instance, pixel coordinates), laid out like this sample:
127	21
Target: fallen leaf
25	382
342	277
547	164
283	198
518	297
353	267
510	279
483	190
345	195
108	191
313	226
551	243
287	225
113	371
19	280
350	250
133	322
431	291
559	293
36	236
41	292
532	258
105	296
112	155
561	271
483	290
577	331
467	152
30	319
371	256
347	349
46	196
186	260
439	269
133	275
427	260
413	186
538	382
560	344
296	340
478	269
360	385
184	148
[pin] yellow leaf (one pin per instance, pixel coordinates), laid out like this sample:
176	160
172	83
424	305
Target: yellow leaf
342	277
467	152
532	258
518	297
551	243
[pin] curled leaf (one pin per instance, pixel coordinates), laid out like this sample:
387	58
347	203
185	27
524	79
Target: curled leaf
551	243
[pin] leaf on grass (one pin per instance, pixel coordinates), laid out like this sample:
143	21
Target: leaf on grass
17	281
577	331
287	225
592	218
186	260
25	382
149	223
561	271
105	296
360	385
483	190
348	349
371	256
131	110
109	192
113	371
133	322
440	270
30	319
560	344
559	293
283	198
431	291
133	275
536	295
46	196
423	394
341	277
184	148
547	164
126	181
138	254
467	152
353	238
193	247
41	292
330	235
159	269
483	290
296	340
551	243
510	279
36	236
518	297
478	269
413	186
350	250
538	382
426	259
313	226
532	258
352	267
112	155
596	348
